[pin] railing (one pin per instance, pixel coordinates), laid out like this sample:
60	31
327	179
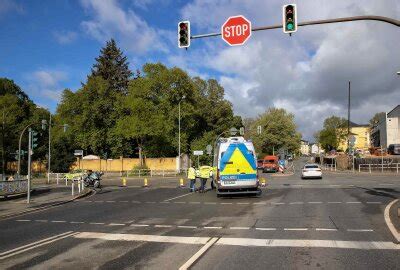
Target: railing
151	173
381	167
329	167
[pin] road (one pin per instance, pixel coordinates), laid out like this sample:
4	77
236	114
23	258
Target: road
333	223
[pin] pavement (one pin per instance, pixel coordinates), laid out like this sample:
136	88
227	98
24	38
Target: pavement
334	223
42	197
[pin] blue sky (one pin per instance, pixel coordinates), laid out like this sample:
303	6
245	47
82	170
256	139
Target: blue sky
47	46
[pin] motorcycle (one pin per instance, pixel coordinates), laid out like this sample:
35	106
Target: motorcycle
92	179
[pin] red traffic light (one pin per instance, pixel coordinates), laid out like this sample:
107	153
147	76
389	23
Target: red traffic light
184	34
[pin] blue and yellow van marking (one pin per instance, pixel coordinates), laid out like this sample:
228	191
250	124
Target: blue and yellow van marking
238	163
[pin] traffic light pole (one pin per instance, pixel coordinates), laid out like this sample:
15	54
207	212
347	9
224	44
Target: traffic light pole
337	20
19	149
28	198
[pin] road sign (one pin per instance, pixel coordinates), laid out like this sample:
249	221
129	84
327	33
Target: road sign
209	149
236	30
352	139
78	153
198	153
233	131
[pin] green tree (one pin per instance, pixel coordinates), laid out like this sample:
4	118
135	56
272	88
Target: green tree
278	131
375	119
113	67
334	131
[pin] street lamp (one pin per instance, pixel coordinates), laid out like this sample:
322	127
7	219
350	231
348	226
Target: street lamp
179	133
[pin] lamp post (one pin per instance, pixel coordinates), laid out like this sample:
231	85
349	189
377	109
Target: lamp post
2	146
179	133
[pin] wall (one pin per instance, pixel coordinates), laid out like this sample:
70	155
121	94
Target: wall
125	164
362	138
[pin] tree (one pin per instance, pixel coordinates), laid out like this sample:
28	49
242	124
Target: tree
113	67
375	119
334	131
278	131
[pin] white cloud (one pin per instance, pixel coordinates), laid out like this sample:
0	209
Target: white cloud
10	5
65	37
46	83
307	73
111	21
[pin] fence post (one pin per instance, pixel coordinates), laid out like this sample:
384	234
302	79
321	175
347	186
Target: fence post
359	168
397	167
57	178
72	187
48	178
66	181
139	172
369	168
79	186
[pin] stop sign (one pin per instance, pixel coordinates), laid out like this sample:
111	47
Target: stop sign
236	30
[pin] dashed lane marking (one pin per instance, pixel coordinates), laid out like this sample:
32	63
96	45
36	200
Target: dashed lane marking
58	221
226	203
374	202
41	220
76	222
140	225
23	220
295	229
213	227
116	224
239	228
334	202
194	202
187	227
266	229
353	202
211	203
314	202
278	203
243	203
326	229
296	203
360	230
162	226
97	223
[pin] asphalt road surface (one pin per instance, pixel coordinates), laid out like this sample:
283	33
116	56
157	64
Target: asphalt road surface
333	223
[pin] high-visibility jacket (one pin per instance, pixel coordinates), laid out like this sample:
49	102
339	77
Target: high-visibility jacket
205	171
191	173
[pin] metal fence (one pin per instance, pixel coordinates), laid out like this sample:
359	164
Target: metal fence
390	167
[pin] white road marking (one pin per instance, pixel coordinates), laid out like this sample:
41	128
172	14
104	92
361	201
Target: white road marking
58	221
145	238
97	223
296	203
325	229
139	225
386	184
36	244
163	226
239	228
187	227
334	202
266	229
314	202
198	254
135	202
116	224
178	197
41	220
334	185
226	203
360	230
353	202
210	203
374	202
261	203
76	222
307	243
295	229
23	220
213	227
243	203
194	202
388	221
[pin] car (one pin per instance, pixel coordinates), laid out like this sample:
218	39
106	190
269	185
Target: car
311	171
394	149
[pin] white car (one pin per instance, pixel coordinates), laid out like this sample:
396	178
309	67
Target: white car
311	171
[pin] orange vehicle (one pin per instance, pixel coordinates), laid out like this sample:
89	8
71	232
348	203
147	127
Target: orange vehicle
270	164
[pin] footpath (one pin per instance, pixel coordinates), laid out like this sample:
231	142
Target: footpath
42	197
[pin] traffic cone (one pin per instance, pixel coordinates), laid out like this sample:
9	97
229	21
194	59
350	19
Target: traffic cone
263	184
181	183
145	183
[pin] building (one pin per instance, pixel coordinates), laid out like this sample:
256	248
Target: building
362	136
315	149
386	131
304	148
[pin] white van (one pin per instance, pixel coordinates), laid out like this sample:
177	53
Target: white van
235	167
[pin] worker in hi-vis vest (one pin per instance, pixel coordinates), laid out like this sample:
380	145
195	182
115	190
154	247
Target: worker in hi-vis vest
204	175
192	179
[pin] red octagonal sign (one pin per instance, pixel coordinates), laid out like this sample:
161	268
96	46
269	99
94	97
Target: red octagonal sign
236	30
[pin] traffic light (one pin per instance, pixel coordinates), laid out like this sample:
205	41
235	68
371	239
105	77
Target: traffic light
184	34
289	18
34	139
241	131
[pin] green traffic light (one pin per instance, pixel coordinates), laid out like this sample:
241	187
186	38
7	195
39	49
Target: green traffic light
289	26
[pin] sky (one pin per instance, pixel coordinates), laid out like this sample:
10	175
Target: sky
47	46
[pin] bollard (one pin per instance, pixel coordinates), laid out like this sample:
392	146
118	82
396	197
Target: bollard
83	185
72	187
181	183
123	182
57	178
79	186
263	184
145	183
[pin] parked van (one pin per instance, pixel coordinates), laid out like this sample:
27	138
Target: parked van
270	164
235	164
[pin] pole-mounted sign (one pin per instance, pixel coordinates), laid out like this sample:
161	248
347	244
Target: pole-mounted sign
236	30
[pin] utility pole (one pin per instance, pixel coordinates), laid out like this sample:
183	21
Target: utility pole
49	157
348	123
28	199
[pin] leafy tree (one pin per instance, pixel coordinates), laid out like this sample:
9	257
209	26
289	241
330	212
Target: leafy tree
334	131
113	67
375	119
278	131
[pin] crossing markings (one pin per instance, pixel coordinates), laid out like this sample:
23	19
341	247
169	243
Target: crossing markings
245	242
